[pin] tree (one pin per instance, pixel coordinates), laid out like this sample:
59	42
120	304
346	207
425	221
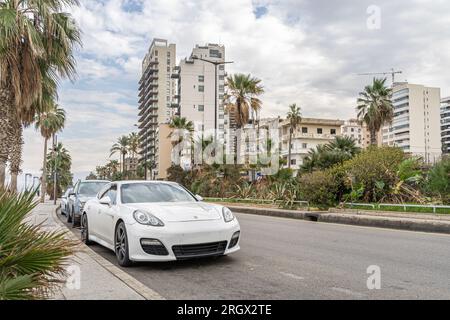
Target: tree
36	44
49	123
133	144
375	107
241	96
294	116
342	148
121	146
60	160
183	130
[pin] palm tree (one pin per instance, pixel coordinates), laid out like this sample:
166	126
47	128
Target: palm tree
133	144
37	41
33	260
295	117
49	123
375	107
121	146
241	96
345	147
62	162
183	129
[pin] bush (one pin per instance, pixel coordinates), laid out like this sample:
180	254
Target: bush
374	171
31	260
438	180
319	188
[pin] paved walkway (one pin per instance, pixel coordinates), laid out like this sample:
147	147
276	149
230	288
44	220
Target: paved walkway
89	277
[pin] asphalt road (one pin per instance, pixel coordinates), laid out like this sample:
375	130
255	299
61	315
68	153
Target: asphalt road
295	259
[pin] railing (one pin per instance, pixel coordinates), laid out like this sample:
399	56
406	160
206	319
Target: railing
387	205
252	200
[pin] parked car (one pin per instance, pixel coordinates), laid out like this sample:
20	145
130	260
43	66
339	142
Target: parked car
82	192
157	221
65	201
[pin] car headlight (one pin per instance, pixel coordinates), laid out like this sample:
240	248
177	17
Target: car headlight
146	218
227	214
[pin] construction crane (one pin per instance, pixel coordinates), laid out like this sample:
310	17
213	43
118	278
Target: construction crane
392	73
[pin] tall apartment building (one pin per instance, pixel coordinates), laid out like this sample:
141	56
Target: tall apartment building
156	106
445	125
353	129
199	91
416	124
310	133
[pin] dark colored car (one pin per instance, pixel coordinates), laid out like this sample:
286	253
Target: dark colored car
65	201
82	192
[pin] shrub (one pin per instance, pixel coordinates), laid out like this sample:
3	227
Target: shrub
319	188
438	180
31	260
374	170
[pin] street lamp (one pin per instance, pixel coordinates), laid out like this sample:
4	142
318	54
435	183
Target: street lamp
215	63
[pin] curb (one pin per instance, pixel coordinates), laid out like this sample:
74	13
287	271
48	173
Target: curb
410	224
128	280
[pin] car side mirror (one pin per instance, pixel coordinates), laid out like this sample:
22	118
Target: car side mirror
72	194
199	197
105	200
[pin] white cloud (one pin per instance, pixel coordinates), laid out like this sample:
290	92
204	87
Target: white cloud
307	52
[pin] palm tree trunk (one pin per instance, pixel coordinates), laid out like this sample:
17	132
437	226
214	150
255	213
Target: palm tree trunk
6	130
44	173
15	155
373	137
289	153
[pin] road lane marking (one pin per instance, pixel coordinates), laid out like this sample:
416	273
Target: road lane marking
291	275
348	292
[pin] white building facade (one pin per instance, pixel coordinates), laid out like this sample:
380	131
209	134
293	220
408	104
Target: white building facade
416	124
445	125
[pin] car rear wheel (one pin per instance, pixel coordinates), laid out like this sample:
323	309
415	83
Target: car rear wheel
85	230
121	246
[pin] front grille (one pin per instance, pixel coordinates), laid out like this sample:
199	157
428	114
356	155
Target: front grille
199	250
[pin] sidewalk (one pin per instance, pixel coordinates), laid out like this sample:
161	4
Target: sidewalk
99	279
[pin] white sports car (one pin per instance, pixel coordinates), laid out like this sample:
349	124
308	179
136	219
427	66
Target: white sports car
157	221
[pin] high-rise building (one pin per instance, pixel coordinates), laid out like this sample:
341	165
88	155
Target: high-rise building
156	106
353	129
416	124
445	125
197	89
199	92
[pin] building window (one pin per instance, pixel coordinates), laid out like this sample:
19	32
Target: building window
221	67
304	130
293	162
215	53
221	88
319	130
201	88
333	131
352	129
221	77
201	78
168	54
156	52
201	107
304	145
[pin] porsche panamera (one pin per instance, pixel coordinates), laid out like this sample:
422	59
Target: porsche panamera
157	221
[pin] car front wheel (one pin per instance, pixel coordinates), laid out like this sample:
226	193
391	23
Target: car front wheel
85	230
121	246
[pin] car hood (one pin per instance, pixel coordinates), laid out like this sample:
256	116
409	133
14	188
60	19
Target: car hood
180	211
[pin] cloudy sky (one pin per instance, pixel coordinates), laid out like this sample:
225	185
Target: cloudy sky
305	51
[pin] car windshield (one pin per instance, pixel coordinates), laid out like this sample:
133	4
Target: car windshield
90	189
154	192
